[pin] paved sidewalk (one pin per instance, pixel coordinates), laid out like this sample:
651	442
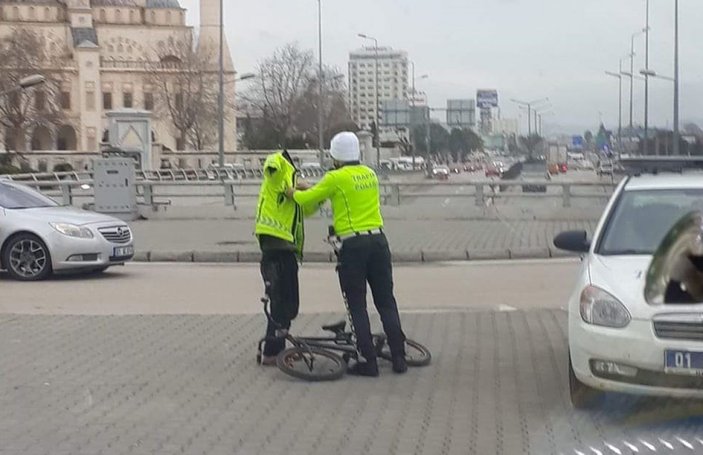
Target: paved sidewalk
109	385
417	240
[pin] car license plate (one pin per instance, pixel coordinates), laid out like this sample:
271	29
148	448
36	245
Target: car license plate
683	362
122	251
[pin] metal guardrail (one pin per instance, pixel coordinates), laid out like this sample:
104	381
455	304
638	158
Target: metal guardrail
161	175
155	193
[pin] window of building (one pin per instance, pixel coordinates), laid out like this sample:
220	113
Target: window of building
16	13
118	16
148	101
179	101
131	16
107	101
47	14
90	100
92	144
39	100
103	16
153	17
65	100
127	99
168	17
32	13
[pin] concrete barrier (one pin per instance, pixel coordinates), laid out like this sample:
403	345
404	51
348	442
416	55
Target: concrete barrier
399	257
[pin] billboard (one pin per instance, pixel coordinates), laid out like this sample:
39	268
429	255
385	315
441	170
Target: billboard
461	113
486	99
395	113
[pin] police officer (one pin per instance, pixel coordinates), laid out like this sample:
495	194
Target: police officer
365	256
279	230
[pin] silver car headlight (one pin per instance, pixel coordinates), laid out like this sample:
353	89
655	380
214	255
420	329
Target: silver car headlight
599	307
71	230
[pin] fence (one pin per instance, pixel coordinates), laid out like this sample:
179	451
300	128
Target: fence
158	192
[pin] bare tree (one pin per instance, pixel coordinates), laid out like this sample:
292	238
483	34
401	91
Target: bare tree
286	95
24	53
185	82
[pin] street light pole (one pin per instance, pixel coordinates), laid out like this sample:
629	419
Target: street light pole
320	110
221	97
646	86
677	150
378	108
529	111
412	116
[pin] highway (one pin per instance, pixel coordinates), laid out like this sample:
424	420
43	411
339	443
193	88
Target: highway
236	289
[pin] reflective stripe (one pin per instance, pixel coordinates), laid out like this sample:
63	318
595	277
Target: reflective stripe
272	223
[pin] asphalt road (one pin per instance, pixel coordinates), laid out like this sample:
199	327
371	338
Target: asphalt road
236	289
111	365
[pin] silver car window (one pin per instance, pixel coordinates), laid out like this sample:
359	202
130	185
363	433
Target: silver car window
20	197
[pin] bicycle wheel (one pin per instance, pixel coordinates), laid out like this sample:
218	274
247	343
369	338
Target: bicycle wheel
311	364
416	355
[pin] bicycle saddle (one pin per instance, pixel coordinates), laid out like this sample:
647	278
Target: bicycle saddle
337	327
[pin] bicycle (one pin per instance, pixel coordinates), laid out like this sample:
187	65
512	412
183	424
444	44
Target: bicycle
316	358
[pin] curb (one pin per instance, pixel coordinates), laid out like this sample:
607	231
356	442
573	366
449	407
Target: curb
320	257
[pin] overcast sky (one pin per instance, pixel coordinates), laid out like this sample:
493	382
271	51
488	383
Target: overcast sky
526	49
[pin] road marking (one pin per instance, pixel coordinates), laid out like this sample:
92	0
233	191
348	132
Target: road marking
446	202
631	447
667	444
613	448
685	443
648	445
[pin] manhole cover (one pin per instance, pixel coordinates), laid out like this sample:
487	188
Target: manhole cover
235	242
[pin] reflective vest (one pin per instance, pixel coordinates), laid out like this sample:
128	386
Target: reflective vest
276	215
354	192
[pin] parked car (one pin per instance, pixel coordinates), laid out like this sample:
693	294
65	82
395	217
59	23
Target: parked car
455	168
605	168
39	237
493	171
618	341
534	172
440	172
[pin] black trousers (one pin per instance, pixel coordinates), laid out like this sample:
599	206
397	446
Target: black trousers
279	270
367	259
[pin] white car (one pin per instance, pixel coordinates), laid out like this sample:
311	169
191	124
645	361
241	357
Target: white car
38	237
617	340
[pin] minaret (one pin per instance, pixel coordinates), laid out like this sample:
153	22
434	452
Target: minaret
210	37
210	31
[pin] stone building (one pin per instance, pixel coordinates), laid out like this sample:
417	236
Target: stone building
112	45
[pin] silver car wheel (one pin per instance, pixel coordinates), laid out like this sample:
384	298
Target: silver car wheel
28	258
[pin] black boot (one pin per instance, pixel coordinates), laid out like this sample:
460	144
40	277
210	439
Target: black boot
400	366
363	369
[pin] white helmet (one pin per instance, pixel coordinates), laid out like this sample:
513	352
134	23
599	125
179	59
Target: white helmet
345	147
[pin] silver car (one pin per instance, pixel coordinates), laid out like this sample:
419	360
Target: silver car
39	237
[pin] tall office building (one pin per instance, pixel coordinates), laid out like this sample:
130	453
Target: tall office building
392	82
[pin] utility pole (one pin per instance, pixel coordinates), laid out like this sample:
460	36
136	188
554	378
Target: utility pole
321	83
378	107
677	134
646	86
221	97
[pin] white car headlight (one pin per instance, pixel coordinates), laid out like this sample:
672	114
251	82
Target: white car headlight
71	230
599	307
